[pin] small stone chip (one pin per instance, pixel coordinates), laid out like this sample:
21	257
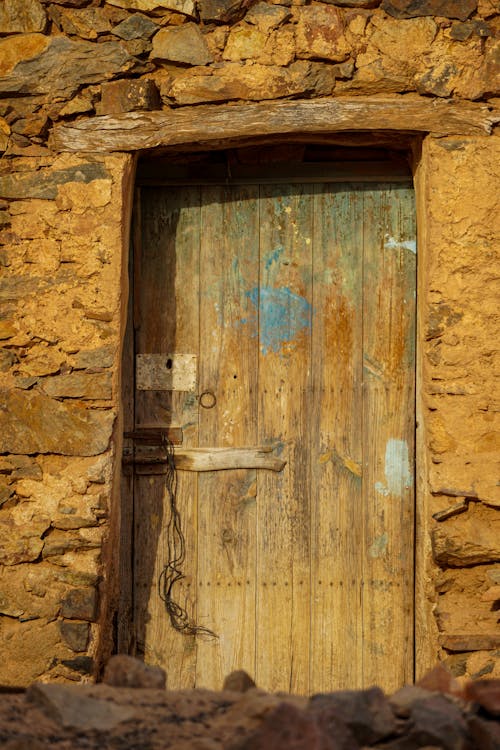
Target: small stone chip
239	681
125	671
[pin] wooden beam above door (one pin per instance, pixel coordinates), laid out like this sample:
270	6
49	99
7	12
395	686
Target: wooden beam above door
216	126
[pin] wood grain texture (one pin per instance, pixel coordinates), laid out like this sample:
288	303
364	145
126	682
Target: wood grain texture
211	459
299	302
228	352
283	544
388	435
169	300
219	124
336	439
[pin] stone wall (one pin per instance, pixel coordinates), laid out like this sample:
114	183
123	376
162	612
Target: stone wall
64	224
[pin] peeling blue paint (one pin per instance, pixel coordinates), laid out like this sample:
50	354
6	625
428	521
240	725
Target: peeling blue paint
398	475
282	315
391	243
274	256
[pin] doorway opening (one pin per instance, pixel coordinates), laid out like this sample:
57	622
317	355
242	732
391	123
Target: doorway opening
271	340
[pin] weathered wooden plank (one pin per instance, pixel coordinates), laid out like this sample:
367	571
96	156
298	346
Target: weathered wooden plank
336	440
283	546
168	304
212	459
220	123
388	426
228	353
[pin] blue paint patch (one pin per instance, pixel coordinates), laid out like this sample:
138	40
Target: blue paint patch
391	243
282	315
274	256
398	474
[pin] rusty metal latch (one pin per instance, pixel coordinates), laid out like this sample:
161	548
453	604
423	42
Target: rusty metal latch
147	451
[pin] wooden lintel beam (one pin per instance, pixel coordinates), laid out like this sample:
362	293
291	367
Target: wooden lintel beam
210	124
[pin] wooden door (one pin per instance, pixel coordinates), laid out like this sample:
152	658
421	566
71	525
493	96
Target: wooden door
289	310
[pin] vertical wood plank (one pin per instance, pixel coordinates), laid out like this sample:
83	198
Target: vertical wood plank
169	294
336	439
388	349
228	356
283	544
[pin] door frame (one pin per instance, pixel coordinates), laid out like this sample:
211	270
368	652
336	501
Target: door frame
423	621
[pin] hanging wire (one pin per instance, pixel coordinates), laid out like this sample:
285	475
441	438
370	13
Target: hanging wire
176	548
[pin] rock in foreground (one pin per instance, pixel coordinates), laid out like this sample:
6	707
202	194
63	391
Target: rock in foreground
123	717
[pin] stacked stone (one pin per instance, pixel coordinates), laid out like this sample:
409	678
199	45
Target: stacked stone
134	710
56	58
64	236
60	390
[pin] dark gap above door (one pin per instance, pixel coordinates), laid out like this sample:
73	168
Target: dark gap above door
277	163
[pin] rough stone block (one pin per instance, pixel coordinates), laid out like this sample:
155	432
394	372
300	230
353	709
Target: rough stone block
485	734
439	679
320	34
30	648
239	681
103	356
75	634
367	713
404	698
254	82
45	182
87	23
184	44
355	3
80	604
219	10
460	9
15	549
129	96
125	671
35	423
486	693
7	359
438	721
287	728
249	42
59	542
466	541
70	708
470	641
267	17
81	664
22	17
136	26
187	7
79	385
33	64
